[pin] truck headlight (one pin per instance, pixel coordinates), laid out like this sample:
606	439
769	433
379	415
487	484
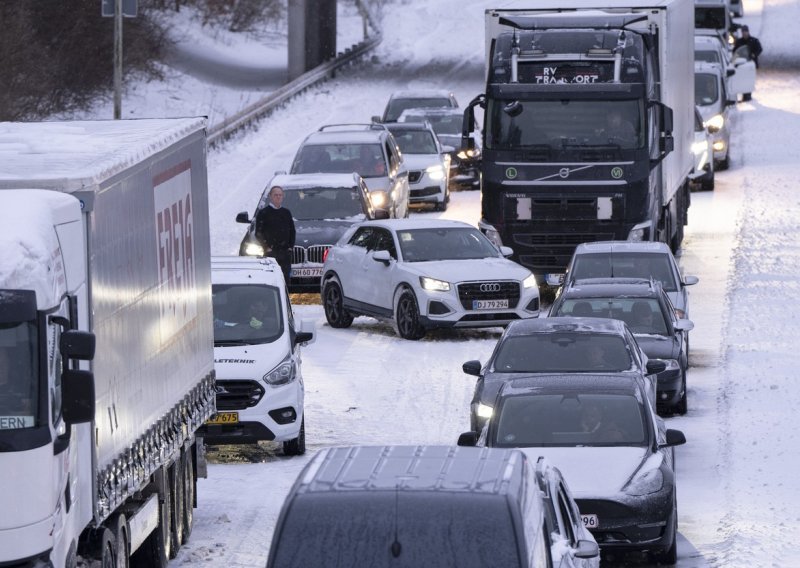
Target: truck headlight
283	374
253	249
716	123
484	411
433	284
436	173
380	199
645	482
529	282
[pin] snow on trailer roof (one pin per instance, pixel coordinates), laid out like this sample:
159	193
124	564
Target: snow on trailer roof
76	154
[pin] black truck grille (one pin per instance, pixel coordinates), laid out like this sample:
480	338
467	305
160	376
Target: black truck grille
550	252
238	395
488	291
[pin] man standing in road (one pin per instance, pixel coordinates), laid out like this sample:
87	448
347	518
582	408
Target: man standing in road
275	230
753	50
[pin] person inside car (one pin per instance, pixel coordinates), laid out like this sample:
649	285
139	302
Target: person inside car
593	420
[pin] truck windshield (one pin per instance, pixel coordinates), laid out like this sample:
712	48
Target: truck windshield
710	17
324	203
246	314
19	376
563	124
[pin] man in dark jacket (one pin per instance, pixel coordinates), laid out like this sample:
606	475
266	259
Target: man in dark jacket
275	230
753	46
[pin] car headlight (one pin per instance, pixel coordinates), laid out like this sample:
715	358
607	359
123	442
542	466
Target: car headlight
717	122
699	147
283	374
529	282
380	199
484	411
469	154
434	284
645	482
253	249
436	173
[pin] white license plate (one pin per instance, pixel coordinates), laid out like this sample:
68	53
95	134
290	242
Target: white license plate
590	521
315	271
490	304
554	279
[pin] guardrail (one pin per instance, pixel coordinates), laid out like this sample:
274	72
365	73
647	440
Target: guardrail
226	127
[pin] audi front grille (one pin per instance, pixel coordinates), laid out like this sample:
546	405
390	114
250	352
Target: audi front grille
489	291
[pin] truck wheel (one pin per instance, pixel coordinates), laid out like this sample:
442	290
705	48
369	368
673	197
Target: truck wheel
155	550
176	520
406	315
707	184
333	300
104	547
188	494
297	447
122	554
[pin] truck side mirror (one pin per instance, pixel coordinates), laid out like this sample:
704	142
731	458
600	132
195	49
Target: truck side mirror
77	396
75	344
667	144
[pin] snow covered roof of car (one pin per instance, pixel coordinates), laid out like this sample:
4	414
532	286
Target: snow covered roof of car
410	224
421	94
297	181
565	324
623	246
345	137
70	156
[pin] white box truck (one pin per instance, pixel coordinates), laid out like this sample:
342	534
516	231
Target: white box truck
106	339
588	113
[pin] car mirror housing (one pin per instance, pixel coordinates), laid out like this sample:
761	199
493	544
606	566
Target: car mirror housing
656	366
684	325
587	549
382	256
506	251
472	368
242	217
674	438
468	439
690	280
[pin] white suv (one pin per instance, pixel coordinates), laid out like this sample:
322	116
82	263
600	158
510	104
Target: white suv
423	274
256	356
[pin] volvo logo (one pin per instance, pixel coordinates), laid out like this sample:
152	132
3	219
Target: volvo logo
493	287
563	173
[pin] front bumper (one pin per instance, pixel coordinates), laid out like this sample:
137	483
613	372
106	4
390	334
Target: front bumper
453	308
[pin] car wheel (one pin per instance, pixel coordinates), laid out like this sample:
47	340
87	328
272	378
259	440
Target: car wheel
707	184
407	317
440	206
333	300
683	404
296	447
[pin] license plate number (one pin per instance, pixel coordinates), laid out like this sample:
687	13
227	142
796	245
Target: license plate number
224	418
315	271
590	521
490	304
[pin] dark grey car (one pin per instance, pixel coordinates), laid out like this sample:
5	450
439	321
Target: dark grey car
558	345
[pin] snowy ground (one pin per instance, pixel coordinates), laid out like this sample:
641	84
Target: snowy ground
739	500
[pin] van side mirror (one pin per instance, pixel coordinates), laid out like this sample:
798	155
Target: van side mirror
75	344
656	366
242	217
587	549
306	332
77	396
468	439
472	368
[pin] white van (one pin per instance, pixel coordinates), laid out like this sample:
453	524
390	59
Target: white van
256	355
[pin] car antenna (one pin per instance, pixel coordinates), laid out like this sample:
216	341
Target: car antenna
396	547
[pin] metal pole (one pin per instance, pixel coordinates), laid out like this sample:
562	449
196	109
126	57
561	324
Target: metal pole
117	59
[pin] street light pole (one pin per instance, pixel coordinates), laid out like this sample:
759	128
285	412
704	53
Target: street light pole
117	59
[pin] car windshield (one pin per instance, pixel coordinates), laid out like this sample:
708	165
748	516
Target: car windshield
396	106
415	141
246	314
365	159
574	419
562	352
19	376
707	56
564	124
444	243
324	203
441	123
643	315
625	265
706	89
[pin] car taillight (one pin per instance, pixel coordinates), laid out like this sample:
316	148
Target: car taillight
325	255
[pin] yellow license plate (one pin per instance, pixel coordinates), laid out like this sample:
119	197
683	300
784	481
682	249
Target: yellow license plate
224	418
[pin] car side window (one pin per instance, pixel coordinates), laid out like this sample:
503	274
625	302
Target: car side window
361	237
384	241
631	340
393	158
566	518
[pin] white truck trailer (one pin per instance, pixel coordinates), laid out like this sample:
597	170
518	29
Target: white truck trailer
106	339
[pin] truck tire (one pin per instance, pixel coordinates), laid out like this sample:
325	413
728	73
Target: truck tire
189	486
155	550
176	479
296	447
122	554
104	547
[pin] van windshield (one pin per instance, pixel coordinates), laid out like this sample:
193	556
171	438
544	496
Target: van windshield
432	528
246	314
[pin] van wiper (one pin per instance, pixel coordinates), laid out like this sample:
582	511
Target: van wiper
231	342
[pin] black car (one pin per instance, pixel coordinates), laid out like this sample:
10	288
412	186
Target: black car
646	308
558	345
323	206
615	453
447	123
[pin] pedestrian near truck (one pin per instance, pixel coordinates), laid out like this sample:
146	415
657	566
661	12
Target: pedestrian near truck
275	230
754	49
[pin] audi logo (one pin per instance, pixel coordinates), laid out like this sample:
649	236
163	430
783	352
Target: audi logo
490	287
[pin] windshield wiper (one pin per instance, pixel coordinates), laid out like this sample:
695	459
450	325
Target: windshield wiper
230	342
